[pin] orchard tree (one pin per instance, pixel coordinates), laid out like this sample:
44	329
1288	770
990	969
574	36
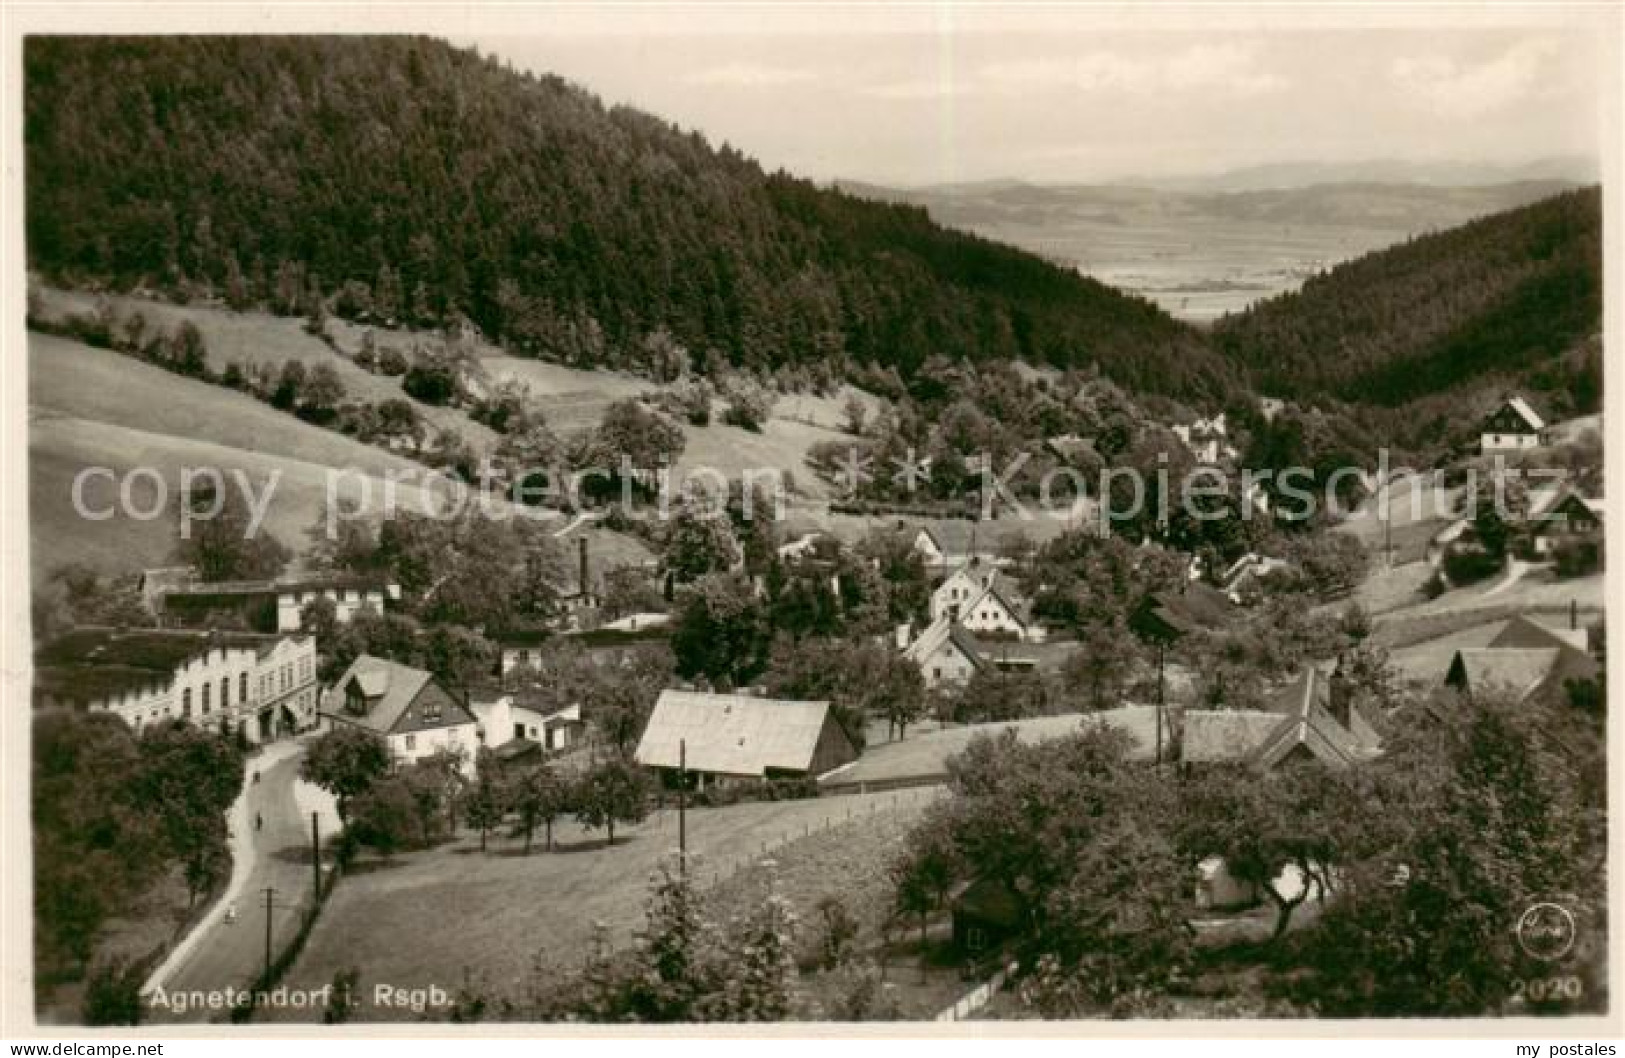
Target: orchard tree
614	791
485	803
1105	663
345	762
539	796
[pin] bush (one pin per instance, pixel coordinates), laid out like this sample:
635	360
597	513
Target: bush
113	994
391	361
1468	565
749	405
1577	556
733	793
430	383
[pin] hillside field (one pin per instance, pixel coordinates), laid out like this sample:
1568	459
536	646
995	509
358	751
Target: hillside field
520	922
254	338
94	408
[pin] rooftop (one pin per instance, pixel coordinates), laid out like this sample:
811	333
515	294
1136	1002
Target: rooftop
92	662
731	734
388	686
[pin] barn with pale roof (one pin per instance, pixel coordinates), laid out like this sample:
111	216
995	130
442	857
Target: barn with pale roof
734	736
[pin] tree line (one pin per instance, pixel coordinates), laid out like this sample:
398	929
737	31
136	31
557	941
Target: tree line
412	183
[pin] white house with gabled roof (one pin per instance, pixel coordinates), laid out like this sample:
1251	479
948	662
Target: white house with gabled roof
404	706
1512	427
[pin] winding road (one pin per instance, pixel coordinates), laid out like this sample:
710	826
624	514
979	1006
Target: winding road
226	950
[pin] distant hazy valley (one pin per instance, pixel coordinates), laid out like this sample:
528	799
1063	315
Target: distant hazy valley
1201	248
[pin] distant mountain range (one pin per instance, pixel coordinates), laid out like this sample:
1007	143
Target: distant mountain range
1283	176
1288	175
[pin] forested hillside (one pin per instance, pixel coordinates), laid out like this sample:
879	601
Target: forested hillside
1512	295
400	179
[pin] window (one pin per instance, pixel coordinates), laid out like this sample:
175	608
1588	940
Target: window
225	692
411	742
519	731
186	702
936	673
242	688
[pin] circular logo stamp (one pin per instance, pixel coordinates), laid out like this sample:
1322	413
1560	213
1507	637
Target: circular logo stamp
1546	932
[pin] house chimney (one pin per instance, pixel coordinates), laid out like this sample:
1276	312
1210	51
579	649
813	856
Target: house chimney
1337	694
581	545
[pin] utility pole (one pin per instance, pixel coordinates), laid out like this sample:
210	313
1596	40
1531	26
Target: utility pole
682	808
1161	695
270	894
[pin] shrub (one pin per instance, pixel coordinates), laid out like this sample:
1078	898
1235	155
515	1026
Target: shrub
1468	565
391	361
1577	556
431	383
749	405
113	994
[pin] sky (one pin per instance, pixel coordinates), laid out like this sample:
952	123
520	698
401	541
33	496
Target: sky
935	94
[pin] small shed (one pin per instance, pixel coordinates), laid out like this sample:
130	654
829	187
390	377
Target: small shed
986	913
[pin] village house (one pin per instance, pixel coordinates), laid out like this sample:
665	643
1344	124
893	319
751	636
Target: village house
1526	660
178	598
1074	451
951	542
1243	580
1512	427
506	718
520	648
985	602
1313	718
946	652
404	706
262	686
1208	439
1559	514
740	736
1165	616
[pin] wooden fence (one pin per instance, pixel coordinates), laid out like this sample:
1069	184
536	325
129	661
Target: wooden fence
980	996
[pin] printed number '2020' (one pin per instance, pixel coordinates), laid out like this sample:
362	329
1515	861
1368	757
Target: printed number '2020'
1549	989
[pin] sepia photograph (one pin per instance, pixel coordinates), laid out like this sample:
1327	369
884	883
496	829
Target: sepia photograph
909	514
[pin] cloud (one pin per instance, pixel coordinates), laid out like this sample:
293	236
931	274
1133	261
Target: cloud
1464	90
751	75
1213	69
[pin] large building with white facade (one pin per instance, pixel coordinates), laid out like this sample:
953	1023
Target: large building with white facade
263	686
